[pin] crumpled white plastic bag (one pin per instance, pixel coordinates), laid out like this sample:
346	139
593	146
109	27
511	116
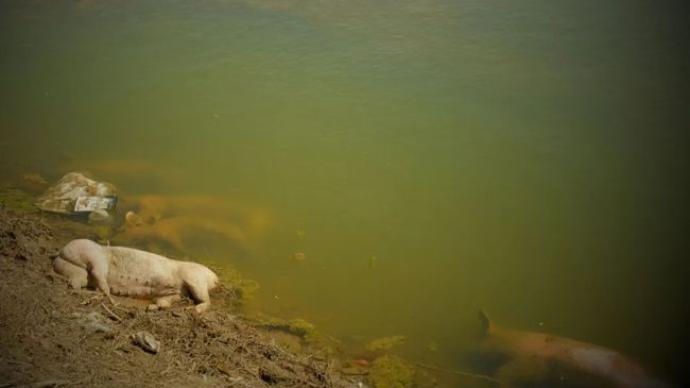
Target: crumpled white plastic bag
75	193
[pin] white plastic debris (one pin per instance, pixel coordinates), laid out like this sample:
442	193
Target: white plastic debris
76	194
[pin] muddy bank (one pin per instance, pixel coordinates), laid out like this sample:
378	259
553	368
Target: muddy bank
53	336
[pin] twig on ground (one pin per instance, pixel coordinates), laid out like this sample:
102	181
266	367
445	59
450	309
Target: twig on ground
111	314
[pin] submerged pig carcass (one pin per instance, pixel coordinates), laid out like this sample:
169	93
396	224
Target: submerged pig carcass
541	358
131	272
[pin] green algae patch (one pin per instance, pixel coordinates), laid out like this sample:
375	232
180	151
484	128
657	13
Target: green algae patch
385	343
243	289
17	200
298	326
239	289
391	372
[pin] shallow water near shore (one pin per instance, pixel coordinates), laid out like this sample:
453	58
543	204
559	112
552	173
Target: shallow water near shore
395	165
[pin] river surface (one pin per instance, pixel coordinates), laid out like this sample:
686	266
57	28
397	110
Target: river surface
410	161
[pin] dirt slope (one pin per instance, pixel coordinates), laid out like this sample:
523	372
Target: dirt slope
53	336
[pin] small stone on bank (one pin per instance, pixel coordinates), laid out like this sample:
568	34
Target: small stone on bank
146	341
95	323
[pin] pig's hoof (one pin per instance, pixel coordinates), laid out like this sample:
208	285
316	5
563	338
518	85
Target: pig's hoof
200	308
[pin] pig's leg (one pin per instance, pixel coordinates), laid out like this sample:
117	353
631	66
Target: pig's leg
167	301
199	293
98	267
88	254
77	276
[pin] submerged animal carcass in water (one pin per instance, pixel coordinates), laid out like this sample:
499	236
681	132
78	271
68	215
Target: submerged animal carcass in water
534	358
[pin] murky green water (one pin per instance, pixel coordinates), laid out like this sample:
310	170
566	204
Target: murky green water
427	157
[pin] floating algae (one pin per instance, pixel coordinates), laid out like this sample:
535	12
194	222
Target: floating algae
385	343
391	372
237	290
306	331
242	288
298	326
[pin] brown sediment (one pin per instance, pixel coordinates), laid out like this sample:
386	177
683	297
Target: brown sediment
172	220
174	230
51	333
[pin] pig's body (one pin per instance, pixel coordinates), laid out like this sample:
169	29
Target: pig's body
134	273
612	367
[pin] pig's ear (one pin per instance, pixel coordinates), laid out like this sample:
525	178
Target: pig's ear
486	323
